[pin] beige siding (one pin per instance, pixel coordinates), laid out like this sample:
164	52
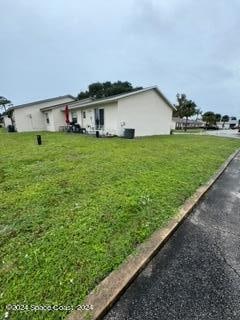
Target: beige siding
146	112
111	117
49	126
88	121
58	119
79	117
31	118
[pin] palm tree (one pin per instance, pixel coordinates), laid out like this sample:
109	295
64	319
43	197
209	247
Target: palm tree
3	102
198	113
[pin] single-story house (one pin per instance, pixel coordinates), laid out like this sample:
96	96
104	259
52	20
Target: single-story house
29	117
181	123
146	110
232	123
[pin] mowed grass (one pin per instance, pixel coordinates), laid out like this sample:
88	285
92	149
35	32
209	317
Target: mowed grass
74	208
3	130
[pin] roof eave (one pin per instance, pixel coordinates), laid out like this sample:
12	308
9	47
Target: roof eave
113	99
85	105
164	98
43	101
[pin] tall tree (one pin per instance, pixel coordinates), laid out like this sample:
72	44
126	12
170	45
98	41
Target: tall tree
4	102
218	117
225	118
83	95
184	108
10	115
209	117
198	113
98	90
178	112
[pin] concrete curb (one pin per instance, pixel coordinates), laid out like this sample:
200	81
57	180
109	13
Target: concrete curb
113	286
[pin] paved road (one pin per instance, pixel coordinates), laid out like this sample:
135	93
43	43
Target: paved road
223	133
196	276
227	133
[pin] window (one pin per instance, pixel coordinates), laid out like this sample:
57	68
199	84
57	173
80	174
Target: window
47	118
84	114
74	117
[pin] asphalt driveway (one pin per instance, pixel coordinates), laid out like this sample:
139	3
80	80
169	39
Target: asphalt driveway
196	275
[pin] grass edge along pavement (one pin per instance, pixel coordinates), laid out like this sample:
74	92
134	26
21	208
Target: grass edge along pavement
113	286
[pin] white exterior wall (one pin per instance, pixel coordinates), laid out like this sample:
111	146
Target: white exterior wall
173	124
79	117
49	126
6	121
88	122
58	119
30	118
223	125
226	125
110	117
145	112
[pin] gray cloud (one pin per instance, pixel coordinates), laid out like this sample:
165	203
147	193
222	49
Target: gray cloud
55	47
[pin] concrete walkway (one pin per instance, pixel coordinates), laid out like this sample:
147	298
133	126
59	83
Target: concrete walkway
196	275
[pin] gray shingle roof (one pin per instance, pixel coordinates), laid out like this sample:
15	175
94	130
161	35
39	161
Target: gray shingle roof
120	96
42	101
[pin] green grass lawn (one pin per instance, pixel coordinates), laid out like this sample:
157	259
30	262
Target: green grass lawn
74	208
3	130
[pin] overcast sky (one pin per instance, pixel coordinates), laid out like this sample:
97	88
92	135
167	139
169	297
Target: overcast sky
55	47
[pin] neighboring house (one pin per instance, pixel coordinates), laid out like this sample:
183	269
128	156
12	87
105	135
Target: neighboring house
28	117
232	123
223	125
147	111
6	121
179	123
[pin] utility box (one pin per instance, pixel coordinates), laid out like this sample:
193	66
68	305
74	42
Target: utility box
129	133
11	128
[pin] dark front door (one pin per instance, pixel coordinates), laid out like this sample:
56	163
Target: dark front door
99	118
